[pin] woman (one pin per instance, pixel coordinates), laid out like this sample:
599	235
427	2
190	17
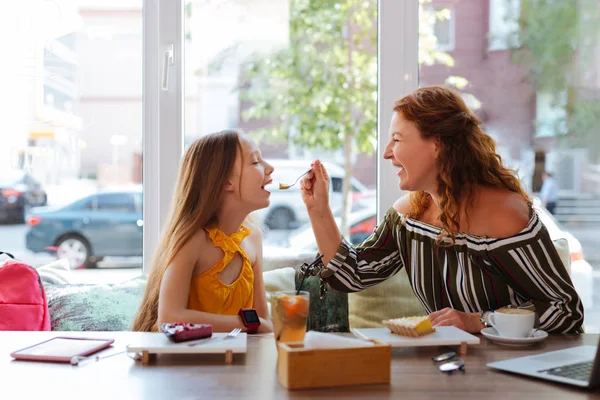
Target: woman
466	233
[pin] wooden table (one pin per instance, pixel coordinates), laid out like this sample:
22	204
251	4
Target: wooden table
185	377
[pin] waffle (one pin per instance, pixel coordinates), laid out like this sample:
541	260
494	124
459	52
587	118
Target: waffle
410	326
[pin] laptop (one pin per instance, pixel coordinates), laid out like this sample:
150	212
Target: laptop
579	366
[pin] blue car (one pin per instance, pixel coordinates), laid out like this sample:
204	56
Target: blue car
107	223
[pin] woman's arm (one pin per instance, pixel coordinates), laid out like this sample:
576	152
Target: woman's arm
175	289
535	270
327	234
372	262
349	269
315	194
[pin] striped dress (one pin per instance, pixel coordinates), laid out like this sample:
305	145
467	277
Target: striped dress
474	274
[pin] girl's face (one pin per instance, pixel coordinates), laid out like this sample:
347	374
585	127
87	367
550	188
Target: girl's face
413	156
250	176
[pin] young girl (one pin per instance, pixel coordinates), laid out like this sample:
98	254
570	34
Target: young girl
208	263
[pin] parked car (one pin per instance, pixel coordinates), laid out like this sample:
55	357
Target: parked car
107	223
302	240
287	211
19	191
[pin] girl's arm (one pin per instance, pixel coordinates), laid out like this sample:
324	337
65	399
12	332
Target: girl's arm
175	289
260	296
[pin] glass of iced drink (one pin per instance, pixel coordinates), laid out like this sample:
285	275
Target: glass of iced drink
290	310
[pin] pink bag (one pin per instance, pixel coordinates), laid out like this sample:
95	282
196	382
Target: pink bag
23	305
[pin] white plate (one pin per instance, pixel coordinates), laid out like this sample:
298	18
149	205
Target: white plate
158	343
443	336
493	335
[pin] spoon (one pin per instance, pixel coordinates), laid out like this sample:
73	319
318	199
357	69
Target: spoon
283	186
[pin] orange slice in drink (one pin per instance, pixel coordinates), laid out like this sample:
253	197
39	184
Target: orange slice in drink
294	309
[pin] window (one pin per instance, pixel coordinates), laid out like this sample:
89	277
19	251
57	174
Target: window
253	60
86	204
538	97
503	16
74	91
116	202
336	184
550	114
444	28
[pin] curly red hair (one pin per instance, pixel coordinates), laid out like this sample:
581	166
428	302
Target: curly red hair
467	157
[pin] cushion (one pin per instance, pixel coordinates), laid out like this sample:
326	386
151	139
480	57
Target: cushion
562	248
393	298
326	315
56	272
76	307
279	280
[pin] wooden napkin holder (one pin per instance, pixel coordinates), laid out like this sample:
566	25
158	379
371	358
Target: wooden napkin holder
300	368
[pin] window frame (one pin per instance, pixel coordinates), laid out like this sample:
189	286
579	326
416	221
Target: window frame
398	75
163	110
163	115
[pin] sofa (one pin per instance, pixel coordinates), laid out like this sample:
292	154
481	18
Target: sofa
102	307
112	307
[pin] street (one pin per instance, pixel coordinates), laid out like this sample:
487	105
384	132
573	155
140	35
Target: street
113	270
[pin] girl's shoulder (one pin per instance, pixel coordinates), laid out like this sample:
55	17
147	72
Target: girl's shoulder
256	230
201	244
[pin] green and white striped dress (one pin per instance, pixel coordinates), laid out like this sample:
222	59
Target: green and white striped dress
472	275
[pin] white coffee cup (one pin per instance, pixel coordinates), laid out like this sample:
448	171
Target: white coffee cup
513	322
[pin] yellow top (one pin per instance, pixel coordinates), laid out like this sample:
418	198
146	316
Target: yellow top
208	293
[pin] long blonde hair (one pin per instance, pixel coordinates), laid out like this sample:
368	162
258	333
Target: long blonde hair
206	166
467	159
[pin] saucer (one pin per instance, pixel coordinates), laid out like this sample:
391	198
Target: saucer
493	335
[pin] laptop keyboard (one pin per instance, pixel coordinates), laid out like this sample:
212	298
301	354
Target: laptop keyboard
580	371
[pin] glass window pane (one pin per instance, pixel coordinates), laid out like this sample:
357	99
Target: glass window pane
529	71
301	78
116	202
75	91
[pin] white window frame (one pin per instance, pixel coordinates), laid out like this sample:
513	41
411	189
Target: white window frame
398	75
163	112
162	115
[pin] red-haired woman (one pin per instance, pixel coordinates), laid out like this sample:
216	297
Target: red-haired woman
466	234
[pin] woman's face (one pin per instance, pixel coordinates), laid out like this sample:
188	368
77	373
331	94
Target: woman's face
413	156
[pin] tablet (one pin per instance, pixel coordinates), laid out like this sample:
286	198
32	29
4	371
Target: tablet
61	349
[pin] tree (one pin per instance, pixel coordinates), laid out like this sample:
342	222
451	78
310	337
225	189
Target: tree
320	90
557	43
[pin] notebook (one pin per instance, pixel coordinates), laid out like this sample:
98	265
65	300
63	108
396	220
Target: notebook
579	366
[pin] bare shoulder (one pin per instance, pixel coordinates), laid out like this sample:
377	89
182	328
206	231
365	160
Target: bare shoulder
198	252
197	244
506	213
254	242
256	234
402	205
